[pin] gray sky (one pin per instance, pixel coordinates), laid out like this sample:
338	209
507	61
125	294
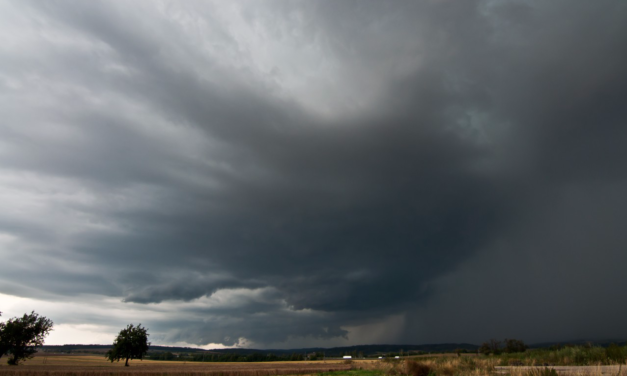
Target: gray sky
315	173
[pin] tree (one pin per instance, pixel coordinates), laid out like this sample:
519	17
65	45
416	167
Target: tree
3	347
20	337
493	346
131	343
484	349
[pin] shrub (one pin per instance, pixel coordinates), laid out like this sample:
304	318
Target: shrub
615	353
418	369
514	346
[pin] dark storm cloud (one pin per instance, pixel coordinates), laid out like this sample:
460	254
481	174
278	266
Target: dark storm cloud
168	161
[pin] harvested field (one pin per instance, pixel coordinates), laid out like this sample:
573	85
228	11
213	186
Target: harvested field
99	366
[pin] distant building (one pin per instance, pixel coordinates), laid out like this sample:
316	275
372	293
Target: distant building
347	357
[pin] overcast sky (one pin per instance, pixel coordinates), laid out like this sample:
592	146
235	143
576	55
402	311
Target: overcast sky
280	174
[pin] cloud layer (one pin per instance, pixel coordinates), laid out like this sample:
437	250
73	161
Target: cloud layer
283	174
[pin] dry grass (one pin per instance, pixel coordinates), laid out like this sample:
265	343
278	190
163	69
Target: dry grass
440	366
479	366
561	370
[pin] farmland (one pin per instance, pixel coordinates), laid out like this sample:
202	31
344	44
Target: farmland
88	365
575	360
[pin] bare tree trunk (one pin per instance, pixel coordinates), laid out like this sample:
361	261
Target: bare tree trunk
126	365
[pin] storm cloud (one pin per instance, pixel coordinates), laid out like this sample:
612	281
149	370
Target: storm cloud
297	173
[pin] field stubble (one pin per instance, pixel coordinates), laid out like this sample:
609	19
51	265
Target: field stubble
98	366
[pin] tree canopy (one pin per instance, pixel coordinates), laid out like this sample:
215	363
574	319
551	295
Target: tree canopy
131	343
20	336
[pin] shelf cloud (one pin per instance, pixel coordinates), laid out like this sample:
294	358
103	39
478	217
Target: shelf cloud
298	173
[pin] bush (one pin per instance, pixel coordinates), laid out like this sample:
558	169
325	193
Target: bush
418	369
615	354
514	346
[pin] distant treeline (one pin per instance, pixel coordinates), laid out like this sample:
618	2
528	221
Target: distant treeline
354	351
233	357
269	357
578	352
